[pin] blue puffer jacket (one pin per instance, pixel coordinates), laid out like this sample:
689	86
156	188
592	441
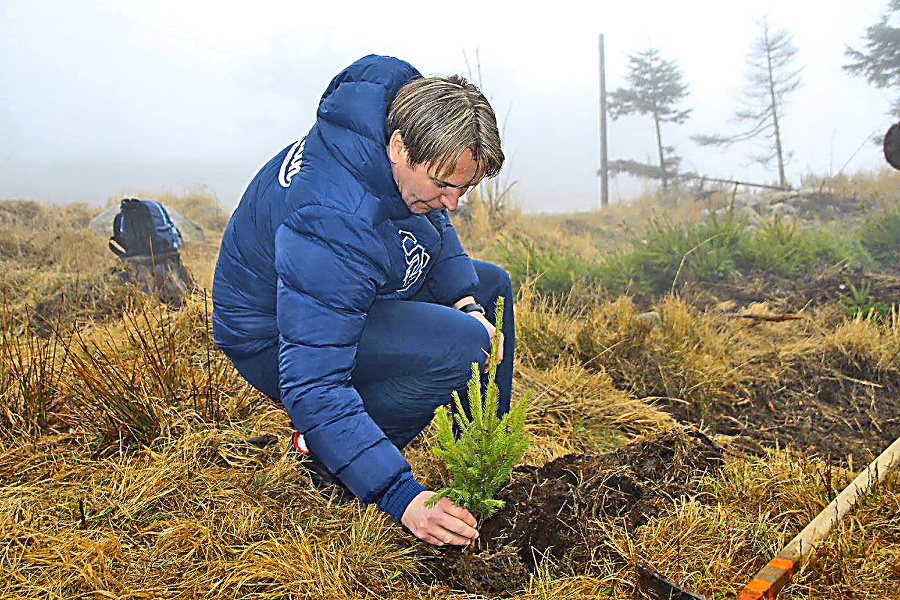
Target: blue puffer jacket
319	235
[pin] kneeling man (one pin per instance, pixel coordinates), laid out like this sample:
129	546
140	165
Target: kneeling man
342	290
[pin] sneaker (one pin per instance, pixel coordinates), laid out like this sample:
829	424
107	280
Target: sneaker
327	484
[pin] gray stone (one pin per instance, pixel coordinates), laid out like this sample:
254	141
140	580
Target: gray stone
749	213
650	318
782	209
744	200
775	197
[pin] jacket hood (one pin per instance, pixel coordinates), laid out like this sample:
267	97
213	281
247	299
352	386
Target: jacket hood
351	120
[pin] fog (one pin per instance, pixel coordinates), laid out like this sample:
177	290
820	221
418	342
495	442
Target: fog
98	100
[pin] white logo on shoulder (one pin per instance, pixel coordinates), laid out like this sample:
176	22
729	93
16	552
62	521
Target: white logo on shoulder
416	258
290	166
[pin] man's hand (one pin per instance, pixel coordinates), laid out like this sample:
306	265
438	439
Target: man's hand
487	325
442	524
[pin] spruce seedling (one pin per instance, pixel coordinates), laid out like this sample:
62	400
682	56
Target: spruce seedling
481	459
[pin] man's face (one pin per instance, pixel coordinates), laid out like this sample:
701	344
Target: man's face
422	189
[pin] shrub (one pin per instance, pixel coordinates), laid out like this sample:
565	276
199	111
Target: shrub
669	255
489	446
788	251
706	250
880	235
552	271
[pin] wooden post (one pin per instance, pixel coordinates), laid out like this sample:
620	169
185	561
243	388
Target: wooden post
771	578
604	170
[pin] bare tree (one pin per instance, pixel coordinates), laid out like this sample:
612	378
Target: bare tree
771	78
655	89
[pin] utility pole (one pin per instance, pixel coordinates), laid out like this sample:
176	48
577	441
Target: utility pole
604	170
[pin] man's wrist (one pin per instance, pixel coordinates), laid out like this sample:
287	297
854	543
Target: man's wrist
472	307
463	301
396	498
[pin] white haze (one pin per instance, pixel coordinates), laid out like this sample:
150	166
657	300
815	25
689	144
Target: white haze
98	99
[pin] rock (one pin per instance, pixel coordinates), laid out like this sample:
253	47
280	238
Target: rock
744	200
776	197
782	209
749	213
650	318
163	276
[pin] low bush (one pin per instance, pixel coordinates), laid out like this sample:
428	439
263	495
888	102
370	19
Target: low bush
880	235
551	270
670	255
667	251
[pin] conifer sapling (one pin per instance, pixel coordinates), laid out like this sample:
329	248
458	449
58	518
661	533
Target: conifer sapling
481	459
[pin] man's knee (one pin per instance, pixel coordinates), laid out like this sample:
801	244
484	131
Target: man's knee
473	345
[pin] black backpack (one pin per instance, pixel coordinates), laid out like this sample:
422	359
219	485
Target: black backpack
143	228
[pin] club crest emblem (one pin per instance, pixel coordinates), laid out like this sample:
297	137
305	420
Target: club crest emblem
416	258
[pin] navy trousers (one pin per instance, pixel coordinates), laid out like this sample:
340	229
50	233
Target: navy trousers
413	354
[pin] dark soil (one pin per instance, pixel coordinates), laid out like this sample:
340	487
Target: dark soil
848	288
100	298
560	509
833	408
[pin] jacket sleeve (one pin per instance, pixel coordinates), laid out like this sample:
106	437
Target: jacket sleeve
453	275
329	267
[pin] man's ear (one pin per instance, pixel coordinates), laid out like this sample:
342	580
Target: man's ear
396	149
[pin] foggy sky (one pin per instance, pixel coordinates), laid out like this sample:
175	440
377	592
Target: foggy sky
99	100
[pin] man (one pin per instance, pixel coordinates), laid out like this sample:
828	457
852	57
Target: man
342	289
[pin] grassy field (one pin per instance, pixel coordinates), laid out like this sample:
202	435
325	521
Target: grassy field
125	470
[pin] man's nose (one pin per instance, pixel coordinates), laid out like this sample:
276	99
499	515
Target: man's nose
450	199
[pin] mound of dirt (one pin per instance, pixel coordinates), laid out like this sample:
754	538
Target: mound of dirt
850	409
28	214
100	298
557	510
846	287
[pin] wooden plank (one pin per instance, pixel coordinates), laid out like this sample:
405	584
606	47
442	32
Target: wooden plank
771	578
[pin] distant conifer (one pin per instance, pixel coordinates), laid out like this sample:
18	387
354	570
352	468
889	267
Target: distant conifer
481	459
656	89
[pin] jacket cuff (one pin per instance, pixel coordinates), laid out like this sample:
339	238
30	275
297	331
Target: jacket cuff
398	496
453	279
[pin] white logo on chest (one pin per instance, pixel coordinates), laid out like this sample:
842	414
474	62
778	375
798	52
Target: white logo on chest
290	166
416	258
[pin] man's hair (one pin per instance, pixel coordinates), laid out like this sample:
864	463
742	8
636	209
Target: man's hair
439	118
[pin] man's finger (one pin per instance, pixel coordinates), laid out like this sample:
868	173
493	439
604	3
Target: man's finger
427	537
460	513
458	522
456	532
455	539
455	525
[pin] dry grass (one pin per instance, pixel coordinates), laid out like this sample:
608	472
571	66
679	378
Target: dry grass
760	504
125	472
877	187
